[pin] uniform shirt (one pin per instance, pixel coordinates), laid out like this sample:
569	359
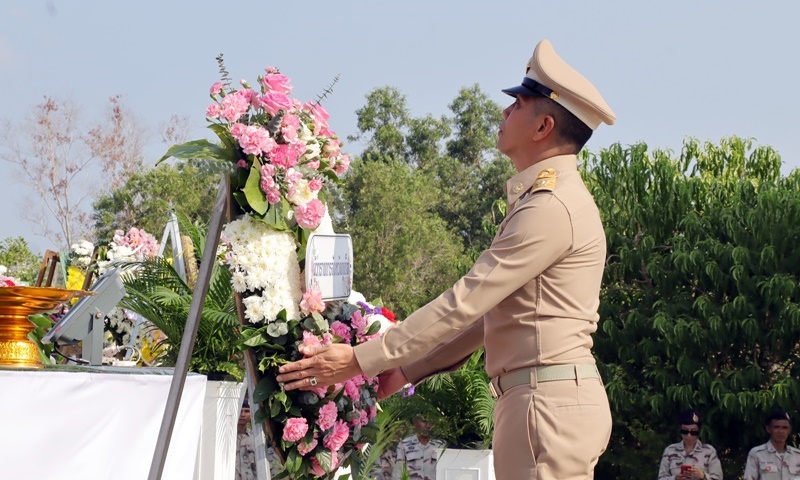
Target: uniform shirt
419	459
384	466
531	298
765	463
245	457
702	455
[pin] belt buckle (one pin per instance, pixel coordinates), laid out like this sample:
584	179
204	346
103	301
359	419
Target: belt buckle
493	391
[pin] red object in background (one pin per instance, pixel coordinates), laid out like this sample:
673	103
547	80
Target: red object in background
388	314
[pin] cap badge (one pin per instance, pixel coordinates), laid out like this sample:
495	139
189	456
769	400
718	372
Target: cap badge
517	187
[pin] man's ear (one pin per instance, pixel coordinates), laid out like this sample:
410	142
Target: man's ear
545	127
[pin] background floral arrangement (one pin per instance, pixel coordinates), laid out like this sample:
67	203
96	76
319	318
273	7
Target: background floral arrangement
135	245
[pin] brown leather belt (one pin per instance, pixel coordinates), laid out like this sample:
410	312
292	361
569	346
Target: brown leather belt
550	373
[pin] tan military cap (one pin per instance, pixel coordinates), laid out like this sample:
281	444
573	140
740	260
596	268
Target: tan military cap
548	75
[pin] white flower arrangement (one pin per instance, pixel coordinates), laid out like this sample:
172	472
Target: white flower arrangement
264	264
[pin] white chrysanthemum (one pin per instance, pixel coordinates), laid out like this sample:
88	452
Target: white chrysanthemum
3	269
264	261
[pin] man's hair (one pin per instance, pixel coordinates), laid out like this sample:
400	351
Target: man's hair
778	415
568	127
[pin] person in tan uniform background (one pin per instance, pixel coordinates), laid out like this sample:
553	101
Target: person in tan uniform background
531	298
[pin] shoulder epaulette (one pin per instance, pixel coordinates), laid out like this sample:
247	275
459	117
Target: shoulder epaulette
545	181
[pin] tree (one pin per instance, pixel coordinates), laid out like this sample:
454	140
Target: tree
57	161
145	199
16	255
701	300
405	253
383	119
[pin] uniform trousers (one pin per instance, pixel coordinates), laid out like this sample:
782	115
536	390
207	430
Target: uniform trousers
551	430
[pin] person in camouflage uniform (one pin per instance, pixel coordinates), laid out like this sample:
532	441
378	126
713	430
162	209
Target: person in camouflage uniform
245	448
690	458
775	460
417	454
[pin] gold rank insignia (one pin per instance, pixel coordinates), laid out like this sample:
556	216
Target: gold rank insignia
546	180
517	187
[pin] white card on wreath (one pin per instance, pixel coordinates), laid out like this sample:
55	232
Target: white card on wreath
329	265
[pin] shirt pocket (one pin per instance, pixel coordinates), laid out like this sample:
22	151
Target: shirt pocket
769	470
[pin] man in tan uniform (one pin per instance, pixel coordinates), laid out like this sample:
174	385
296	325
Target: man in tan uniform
531	299
775	460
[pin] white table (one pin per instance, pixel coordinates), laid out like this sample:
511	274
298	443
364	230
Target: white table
92	423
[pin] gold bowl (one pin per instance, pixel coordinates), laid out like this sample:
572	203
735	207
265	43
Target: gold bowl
16	303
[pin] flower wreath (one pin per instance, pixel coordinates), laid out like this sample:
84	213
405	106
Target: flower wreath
281	154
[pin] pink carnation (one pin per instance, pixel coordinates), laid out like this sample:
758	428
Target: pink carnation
212	111
352	390
341	330
335	439
342	164
303	448
313	164
310	340
316	468
373	412
216	88
235	105
315	185
289	126
359	322
359	419
327	416
312	302
286	155
310	214
253	140
295	429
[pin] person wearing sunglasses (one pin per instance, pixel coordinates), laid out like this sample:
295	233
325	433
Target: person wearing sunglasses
775	459
690	458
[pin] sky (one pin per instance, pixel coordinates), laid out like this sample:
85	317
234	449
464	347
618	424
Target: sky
670	70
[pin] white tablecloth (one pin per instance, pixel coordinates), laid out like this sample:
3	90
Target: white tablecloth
94	426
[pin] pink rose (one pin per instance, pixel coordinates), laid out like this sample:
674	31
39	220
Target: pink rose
295	429
319	116
310	214
273	102
216	88
277	82
327	416
335	439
